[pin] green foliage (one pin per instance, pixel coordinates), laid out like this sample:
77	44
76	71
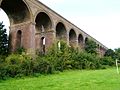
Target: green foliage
91	46
59	58
20	50
20	64
3	40
2	58
85	60
69	58
42	65
107	61
16	65
110	53
117	53
117	50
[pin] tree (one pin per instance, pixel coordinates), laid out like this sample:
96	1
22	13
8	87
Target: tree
3	40
110	53
91	46
117	52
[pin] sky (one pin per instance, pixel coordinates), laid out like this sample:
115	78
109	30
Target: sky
98	18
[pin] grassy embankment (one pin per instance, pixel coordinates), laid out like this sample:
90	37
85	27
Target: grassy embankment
106	79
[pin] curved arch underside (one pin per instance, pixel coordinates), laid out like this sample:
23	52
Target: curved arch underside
16	10
72	38
80	39
43	22
86	40
61	32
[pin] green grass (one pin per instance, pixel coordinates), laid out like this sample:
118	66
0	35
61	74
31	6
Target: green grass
106	79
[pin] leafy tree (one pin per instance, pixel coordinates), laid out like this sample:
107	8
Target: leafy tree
91	46
110	53
3	40
117	52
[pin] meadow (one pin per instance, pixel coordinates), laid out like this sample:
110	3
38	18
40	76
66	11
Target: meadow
106	79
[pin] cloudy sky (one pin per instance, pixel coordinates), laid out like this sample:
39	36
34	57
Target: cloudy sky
99	18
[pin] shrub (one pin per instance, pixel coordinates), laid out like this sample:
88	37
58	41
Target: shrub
54	60
3	71
42	65
107	61
20	50
16	64
83	60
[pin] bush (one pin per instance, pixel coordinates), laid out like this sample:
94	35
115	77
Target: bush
3	71
2	58
43	66
107	61
54	60
69	58
16	64
83	60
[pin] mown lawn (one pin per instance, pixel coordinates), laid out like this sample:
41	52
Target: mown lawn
106	79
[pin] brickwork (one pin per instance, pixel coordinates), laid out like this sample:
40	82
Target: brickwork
39	17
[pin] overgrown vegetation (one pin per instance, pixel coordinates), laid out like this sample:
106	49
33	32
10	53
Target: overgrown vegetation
56	59
21	64
91	46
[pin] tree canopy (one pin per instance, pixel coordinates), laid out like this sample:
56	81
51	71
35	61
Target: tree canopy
91	46
3	40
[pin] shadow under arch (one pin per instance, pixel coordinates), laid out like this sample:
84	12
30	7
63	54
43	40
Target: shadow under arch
43	22
72	38
17	11
80	41
61	32
43	31
19	39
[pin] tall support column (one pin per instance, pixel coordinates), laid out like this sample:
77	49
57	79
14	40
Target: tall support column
27	37
50	38
68	38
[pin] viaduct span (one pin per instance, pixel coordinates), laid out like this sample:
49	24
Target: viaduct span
33	24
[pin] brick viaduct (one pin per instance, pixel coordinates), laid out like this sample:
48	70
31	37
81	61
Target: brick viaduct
32	22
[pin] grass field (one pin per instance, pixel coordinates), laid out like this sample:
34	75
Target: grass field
106	79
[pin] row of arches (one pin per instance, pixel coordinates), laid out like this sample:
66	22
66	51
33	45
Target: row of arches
19	11
43	21
44	24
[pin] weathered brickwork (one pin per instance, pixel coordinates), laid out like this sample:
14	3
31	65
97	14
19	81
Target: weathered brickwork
33	25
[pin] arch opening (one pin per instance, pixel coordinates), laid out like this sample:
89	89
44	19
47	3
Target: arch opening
16	10
72	38
43	22
61	32
42	45
80	39
19	39
86	40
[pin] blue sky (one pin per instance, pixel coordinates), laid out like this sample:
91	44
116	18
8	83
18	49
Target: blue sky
99	18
